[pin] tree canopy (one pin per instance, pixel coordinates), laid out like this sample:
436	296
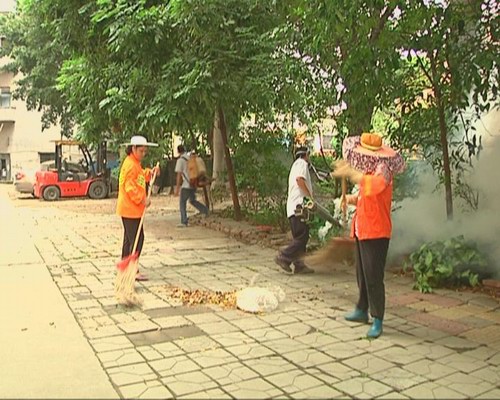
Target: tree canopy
111	68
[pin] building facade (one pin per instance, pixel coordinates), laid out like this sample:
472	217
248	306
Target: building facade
23	144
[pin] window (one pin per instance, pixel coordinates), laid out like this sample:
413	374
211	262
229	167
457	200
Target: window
5	97
2	41
46	157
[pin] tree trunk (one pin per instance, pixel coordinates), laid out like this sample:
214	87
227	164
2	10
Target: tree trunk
218	167
229	166
443	136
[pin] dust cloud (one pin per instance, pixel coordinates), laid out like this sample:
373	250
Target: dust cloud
423	219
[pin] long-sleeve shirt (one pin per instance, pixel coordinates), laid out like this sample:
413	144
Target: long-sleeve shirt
132	188
373	209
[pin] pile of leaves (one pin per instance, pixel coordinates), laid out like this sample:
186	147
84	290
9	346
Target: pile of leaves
197	297
454	262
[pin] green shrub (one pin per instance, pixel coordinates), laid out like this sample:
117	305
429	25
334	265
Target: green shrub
447	263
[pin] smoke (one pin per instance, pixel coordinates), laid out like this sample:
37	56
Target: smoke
423	218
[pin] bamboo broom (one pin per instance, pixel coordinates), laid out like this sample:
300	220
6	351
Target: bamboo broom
338	250
129	267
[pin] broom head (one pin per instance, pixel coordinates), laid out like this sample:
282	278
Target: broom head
339	250
124	263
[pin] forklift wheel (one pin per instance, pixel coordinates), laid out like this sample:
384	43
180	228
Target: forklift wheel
98	190
51	193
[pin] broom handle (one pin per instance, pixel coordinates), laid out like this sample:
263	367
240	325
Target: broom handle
151	182
344	201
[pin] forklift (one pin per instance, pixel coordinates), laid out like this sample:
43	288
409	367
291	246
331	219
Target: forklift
88	180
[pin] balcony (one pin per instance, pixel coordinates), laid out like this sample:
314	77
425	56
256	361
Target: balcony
7	115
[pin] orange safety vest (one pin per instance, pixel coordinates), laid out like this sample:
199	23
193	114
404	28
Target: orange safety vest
132	188
373	209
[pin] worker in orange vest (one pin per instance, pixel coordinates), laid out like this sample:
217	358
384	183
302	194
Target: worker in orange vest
371	165
132	196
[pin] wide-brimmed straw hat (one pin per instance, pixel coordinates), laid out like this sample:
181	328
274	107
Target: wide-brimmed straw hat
140	141
367	151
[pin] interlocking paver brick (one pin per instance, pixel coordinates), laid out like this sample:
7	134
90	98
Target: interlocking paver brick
171	322
102	331
490	374
296	329
424	306
266	334
138	326
248	351
463	363
431	390
484	335
286	345
207	394
279	318
210	358
466	384
308	358
338	370
173	365
204	318
317	339
429	368
439	323
398	378
457	343
129	374
196	344
149	353
111	343
118	358
322	376
319	392
249	323
430	350
252	389
427	333
146	390
363	388
399	355
294	381
494	394
228	373
213	328
233	339
266	366
191	382
368	363
341	351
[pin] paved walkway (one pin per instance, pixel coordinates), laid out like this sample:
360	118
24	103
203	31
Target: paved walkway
43	353
445	345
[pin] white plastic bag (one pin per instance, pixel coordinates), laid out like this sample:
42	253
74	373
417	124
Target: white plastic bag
256	299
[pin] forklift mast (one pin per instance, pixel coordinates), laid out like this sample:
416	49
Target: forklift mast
102	159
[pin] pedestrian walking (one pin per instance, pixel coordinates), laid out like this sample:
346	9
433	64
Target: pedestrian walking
184	189
371	165
132	196
299	186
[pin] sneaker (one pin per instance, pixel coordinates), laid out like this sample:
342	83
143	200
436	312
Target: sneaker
181	225
285	265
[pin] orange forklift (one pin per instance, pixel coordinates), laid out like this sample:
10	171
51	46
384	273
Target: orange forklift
68	179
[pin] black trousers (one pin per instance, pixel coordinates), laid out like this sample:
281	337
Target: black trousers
371	255
130	226
297	248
